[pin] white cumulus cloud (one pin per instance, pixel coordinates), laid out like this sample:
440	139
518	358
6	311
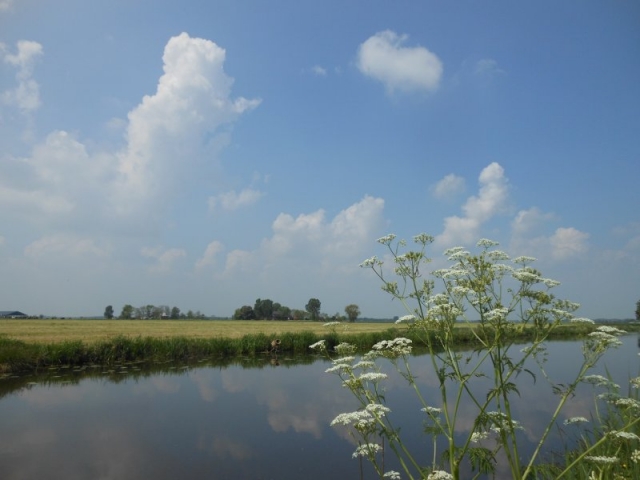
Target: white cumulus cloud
166	129
450	186
491	200
407	69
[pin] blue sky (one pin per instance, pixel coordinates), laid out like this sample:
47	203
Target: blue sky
207	153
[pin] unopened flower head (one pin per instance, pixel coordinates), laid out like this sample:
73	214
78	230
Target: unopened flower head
452	251
602	460
523	260
423	239
344	348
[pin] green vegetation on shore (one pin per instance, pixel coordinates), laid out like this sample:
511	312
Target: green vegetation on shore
19	355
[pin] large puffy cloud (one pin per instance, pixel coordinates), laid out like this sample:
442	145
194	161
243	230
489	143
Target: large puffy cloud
26	95
408	69
165	135
165	131
491	200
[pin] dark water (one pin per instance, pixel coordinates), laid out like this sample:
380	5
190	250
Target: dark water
265	421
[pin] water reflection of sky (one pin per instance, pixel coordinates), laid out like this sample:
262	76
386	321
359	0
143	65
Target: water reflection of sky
265	423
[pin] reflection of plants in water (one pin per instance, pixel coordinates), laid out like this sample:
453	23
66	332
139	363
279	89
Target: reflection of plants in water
498	300
125	371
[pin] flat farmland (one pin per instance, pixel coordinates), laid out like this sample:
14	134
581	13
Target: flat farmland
89	331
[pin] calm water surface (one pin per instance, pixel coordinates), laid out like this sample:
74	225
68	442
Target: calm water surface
232	422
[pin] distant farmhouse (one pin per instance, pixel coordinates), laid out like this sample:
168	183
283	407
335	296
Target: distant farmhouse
12	314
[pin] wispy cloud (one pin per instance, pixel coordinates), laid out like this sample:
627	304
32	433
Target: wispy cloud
26	95
233	200
165	258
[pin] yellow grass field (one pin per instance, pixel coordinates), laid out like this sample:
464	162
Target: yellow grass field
88	331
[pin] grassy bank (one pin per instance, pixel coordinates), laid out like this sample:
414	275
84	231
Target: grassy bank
33	344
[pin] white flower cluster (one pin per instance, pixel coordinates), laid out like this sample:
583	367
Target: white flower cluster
397	346
574	420
582	320
387	239
624	435
501	422
392	474
366	450
599	381
431	410
440	475
635	456
478	436
372	377
320	345
331	324
406	318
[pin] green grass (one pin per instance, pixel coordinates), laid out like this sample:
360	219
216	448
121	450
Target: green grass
17	354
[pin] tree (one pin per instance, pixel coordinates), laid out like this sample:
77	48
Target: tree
263	309
127	312
244	313
638	310
175	313
108	312
313	307
352	311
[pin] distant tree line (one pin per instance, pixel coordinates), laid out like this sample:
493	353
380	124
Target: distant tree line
152	312
267	309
